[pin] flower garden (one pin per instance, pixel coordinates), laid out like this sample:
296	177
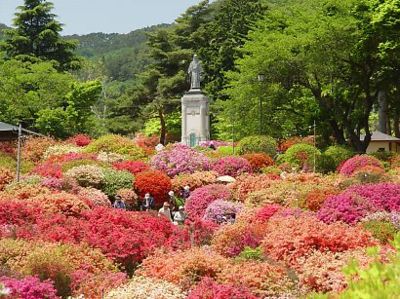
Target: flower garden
332	233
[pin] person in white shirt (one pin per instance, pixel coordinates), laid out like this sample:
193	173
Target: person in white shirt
180	215
165	211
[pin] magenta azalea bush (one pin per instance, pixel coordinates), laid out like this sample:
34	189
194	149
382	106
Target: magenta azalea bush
216	143
218	208
200	199
360	200
29	288
358	162
232	166
178	158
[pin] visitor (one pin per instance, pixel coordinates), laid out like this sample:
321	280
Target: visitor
119	203
165	211
212	146
148	203
173	201
186	192
180	216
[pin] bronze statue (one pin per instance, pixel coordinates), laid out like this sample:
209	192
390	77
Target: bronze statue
195	70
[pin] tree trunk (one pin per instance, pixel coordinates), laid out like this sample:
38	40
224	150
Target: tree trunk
396	123
163	133
383	112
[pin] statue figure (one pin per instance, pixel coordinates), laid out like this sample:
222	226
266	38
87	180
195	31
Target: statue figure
194	72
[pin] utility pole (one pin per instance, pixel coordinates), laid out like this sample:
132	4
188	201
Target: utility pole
19	152
315	143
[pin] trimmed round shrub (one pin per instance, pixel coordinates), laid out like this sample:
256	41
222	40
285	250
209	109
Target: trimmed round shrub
154	182
116	144
61	149
232	166
80	140
115	180
359	162
338	153
129	196
301	156
258	144
219	208
86	175
34	148
200	198
94	197
325	164
110	157
133	167
258	161
178	158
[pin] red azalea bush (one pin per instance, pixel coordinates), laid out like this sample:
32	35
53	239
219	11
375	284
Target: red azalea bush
35	147
80	140
247	184
133	167
289	238
154	182
6	177
17	213
200	198
315	198
232	166
29	288
147	143
265	213
200	231
48	169
258	161
350	166
209	289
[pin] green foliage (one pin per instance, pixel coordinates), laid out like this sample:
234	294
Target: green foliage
36	36
9	162
325	164
384	231
301	155
379	280
383	156
258	144
249	253
115	180
338	154
227	150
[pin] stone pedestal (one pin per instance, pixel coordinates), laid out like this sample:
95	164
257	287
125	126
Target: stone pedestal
195	118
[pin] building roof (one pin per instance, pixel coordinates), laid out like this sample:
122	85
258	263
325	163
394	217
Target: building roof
9	132
379	136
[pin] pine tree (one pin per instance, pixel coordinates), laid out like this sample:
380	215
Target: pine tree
36	36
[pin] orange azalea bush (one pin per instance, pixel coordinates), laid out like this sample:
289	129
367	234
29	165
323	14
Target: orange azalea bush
258	161
184	268
6	177
262	278
34	148
314	199
247	184
25	191
289	238
195	180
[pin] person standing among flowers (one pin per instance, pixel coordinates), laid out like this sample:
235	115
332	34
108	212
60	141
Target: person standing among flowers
119	203
186	192
165	211
148	203
180	216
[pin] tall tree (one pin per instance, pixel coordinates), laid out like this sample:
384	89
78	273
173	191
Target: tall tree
37	36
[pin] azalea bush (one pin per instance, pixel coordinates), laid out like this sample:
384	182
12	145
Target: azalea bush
6	177
29	288
258	144
87	175
301	156
115	180
199	200
154	182
133	167
60	149
339	154
232	166
146	288
80	140
209	289
178	158
129	197
116	144
110	158
246	184
219	208
194	180
48	169
35	147
356	163
93	197
258	161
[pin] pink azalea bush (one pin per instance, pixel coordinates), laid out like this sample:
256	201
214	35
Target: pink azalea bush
219	208
232	166
350	166
199	200
29	288
360	200
178	158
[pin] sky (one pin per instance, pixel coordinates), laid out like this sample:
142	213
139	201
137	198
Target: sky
108	16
